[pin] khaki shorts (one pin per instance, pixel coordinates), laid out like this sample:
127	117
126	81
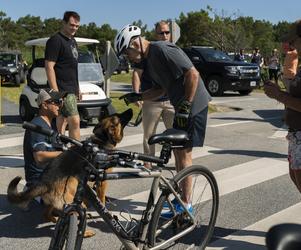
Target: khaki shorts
294	149
69	106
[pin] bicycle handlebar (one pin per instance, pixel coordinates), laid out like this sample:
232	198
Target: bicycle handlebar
66	139
50	132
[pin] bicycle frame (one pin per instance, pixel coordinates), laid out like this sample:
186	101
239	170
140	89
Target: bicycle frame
113	221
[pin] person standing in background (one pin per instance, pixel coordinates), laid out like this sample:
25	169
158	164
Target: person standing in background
257	58
152	111
240	56
274	66
61	68
290	64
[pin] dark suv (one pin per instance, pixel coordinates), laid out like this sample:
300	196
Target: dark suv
221	73
12	67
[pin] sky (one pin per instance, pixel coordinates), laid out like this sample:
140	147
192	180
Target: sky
118	13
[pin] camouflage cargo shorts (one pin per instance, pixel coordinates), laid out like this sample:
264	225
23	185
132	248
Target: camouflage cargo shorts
69	106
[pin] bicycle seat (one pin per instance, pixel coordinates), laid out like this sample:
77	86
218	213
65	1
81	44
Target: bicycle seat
173	136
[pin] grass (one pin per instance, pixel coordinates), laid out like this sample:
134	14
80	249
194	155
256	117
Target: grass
120	106
11	92
123	77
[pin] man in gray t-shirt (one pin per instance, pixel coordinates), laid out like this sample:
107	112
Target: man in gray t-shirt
172	73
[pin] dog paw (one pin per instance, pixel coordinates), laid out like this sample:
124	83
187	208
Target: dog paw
89	233
51	219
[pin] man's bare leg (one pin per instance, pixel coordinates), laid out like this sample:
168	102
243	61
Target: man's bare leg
183	159
61	124
74	126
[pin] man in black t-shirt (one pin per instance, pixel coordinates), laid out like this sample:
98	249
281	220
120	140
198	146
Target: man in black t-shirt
61	67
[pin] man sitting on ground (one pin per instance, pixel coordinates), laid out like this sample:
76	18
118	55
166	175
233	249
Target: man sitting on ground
37	148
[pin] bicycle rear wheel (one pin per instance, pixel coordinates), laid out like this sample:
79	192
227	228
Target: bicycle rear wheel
204	197
65	234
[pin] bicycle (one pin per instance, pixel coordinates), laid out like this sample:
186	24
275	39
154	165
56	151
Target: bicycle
152	231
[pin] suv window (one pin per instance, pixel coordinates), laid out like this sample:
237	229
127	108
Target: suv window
193	55
213	55
7	59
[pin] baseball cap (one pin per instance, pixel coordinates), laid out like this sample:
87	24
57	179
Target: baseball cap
49	95
293	32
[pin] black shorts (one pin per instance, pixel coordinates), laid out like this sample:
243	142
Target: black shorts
197	129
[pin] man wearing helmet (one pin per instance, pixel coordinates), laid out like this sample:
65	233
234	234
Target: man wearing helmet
172	73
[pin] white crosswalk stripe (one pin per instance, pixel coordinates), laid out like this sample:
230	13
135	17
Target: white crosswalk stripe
280	133
239	240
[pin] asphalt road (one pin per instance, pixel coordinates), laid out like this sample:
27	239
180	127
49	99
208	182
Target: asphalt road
244	147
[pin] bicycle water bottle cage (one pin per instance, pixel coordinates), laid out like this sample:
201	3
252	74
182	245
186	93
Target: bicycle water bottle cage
170	136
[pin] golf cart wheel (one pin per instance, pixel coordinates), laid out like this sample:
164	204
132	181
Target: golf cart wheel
25	110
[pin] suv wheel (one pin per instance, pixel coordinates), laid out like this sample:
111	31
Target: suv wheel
25	110
214	86
245	92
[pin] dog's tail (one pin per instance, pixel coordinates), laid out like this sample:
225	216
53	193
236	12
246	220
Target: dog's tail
23	198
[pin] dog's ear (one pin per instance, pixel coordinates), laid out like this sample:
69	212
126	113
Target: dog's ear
98	129
125	117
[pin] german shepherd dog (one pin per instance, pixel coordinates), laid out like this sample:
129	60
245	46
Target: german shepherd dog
59	181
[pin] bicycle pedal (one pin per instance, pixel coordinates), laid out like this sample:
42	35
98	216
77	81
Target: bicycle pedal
89	216
109	201
182	221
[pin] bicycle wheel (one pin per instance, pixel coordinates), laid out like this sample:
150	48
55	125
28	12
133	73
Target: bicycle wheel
65	234
204	197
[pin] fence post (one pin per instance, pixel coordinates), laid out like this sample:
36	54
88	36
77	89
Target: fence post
108	63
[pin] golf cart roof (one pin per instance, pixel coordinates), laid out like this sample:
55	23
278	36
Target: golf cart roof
42	41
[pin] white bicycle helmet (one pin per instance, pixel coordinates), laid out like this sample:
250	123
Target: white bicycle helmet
124	37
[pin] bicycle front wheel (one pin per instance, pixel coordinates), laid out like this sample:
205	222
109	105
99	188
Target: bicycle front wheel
65	234
169	219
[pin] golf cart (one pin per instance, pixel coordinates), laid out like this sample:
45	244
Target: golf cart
94	103
12	67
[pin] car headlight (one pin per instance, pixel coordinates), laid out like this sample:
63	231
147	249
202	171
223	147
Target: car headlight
12	70
233	70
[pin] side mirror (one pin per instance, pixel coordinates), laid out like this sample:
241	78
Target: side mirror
195	59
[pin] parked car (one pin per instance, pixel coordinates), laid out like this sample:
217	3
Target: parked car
94	103
220	73
12	67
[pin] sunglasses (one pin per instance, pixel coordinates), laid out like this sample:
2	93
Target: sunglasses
163	33
56	102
